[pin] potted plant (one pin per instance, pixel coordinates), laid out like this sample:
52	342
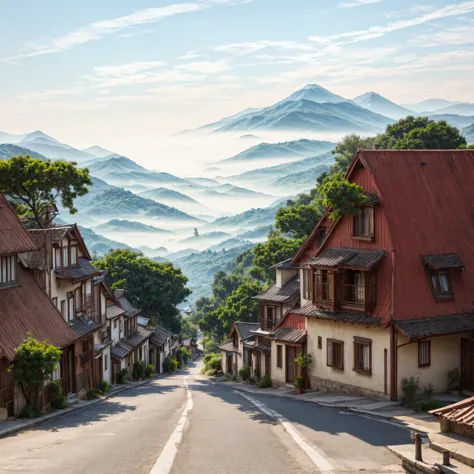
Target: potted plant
303	360
299	384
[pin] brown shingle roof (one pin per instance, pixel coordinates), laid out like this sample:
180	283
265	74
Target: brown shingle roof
245	329
123	302
14	238
295	336
436	325
26	308
311	310
139	337
348	257
82	271
290	290
228	346
444	261
121	350
82	327
159	335
114	311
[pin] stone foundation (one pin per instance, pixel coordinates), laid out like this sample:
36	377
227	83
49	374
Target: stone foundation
325	385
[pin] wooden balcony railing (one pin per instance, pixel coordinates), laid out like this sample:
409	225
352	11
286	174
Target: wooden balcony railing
353	296
267	324
323	293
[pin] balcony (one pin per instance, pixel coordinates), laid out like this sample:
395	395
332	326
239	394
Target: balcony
353	297
324	294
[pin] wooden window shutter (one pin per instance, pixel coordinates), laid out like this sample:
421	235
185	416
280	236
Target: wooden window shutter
329	349
371	222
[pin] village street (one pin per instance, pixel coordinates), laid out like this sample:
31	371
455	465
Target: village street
224	432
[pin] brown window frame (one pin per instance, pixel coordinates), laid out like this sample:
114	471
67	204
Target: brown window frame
437	294
422	363
320	342
357	220
359	344
55	301
280	356
63	308
332	355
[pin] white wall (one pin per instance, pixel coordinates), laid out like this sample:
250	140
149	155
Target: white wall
108	371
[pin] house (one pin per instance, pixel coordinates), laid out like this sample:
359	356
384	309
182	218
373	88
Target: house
235	353
190	344
388	293
62	266
274	304
24	308
133	343
160	347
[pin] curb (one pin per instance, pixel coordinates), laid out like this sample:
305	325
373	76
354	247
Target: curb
67	411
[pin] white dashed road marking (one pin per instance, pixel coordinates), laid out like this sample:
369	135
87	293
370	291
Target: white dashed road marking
318	458
164	463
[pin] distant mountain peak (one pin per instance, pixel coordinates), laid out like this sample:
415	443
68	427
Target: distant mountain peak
381	105
98	151
37	134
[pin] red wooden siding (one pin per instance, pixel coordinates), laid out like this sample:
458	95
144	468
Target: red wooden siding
294	321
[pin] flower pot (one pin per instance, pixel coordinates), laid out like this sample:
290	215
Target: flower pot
299	391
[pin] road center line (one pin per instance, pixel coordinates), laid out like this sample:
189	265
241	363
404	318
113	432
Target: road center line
318	458
164	463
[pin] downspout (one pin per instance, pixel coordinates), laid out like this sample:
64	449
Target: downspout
393	337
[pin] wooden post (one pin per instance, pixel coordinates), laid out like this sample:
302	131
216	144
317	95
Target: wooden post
418	456
446	460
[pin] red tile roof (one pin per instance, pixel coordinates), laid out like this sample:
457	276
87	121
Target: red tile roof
26	308
461	413
14	238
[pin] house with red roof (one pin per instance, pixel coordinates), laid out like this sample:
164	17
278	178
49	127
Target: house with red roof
389	293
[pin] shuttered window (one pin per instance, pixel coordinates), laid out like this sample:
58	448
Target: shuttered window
424	354
8	270
363	355
364	223
335	354
279	355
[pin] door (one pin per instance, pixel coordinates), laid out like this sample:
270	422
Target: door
67	370
6	386
268	365
229	362
290	364
467	364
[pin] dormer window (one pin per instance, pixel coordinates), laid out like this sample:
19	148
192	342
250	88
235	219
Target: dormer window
364	223
8	270
66	256
440	284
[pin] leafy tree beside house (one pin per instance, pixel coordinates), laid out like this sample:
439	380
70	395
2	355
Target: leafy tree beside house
155	288
35	185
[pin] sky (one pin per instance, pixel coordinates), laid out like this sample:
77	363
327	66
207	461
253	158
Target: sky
120	72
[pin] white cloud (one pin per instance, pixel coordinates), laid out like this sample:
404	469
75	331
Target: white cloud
127	69
378	31
205	67
190	55
357	3
455	35
248	47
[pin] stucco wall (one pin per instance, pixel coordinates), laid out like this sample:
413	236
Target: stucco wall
323	377
107	373
278	373
445	355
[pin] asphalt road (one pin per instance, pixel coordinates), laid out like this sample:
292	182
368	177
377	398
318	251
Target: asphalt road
185	424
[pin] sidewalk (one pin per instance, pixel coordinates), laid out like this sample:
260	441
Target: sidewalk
14	425
364	406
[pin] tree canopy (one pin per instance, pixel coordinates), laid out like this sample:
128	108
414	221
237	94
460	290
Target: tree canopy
35	185
155	288
346	149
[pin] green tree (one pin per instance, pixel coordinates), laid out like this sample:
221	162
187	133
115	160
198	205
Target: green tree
188	328
34	365
347	148
276	249
36	185
341	196
434	136
298	221
155	288
399	129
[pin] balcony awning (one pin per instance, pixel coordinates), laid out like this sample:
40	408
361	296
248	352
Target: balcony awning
444	261
348	258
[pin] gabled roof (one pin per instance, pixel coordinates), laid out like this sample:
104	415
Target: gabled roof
348	257
244	329
287	292
26	308
228	346
82	327
443	262
121	350
82	271
122	301
139	336
14	238
285	265
160	335
114	311
290	335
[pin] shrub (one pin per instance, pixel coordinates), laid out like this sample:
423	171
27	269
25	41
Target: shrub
122	378
244	372
266	382
58	399
149	370
427	405
104	387
29	412
454	380
212	362
139	369
185	353
303	360
92	394
170	365
252	380
299	382
410	387
208	357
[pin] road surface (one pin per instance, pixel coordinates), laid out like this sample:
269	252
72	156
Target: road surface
186	424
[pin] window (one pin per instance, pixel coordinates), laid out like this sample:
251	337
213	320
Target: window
73	255
323	287
78	292
70	306
63	308
440	285
65	262
363	355
58	258
424	354
335	354
8	270
320	236
279	355
320	342
115	324
306	286
364	223
55	302
106	362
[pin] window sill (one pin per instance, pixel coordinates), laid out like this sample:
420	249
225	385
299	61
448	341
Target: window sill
363	372
336	368
363	237
443	299
424	366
